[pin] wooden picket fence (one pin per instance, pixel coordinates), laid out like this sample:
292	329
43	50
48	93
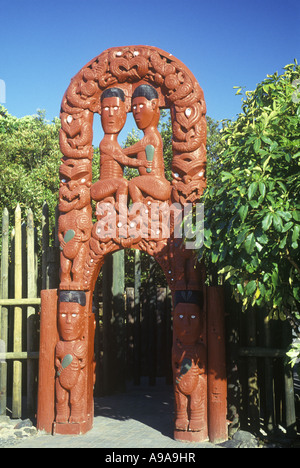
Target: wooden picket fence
19	298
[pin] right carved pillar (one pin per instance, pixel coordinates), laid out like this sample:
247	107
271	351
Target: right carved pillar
217	381
199	365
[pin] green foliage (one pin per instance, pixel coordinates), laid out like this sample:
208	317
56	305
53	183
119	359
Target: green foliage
29	163
294	354
252	203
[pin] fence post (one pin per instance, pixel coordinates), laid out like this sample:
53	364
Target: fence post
107	333
289	397
137	317
217	381
45	229
48	340
253	389
151	311
17	367
4	310
119	325
31	325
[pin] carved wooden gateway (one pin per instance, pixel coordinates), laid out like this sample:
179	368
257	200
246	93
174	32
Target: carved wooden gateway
143	213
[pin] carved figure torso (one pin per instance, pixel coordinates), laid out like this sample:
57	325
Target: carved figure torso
68	376
187	366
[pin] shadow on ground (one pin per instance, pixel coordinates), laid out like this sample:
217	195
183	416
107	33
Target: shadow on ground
152	406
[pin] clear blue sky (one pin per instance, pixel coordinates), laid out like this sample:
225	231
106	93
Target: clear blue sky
44	43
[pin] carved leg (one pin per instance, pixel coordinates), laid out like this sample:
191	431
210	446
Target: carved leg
62	404
78	412
65	269
198	406
181	415
135	193
78	266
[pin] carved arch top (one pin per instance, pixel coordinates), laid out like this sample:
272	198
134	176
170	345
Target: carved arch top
178	90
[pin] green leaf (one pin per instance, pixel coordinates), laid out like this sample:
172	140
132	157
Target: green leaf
267	221
262	189
251	287
296	215
263	239
274	277
296	232
286	215
277	222
252	189
258	246
243	211
226	176
283	243
257	145
267	140
287	226
250	243
214	256
241	236
265	164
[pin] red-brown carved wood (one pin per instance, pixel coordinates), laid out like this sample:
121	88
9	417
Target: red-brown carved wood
144	213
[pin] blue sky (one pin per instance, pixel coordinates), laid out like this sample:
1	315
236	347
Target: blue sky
43	44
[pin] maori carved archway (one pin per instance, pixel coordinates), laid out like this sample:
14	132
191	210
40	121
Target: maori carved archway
144	213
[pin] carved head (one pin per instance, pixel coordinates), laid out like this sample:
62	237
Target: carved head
113	110
71	315
186	316
145	106
75	183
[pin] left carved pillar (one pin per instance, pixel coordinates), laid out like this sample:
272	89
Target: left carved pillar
48	340
74	364
66	367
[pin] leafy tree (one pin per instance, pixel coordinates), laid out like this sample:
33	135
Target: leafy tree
252	203
29	163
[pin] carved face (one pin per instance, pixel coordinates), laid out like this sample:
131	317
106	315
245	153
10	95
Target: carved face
113	115
145	112
71	321
75	183
186	322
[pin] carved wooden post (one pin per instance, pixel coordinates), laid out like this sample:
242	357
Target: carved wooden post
48	340
217	382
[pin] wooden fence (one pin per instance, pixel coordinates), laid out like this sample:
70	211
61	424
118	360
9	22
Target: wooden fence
134	329
260	380
18	324
133	333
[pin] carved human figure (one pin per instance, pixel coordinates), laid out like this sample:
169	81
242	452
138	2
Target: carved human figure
75	221
71	359
188	359
112	158
145	108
